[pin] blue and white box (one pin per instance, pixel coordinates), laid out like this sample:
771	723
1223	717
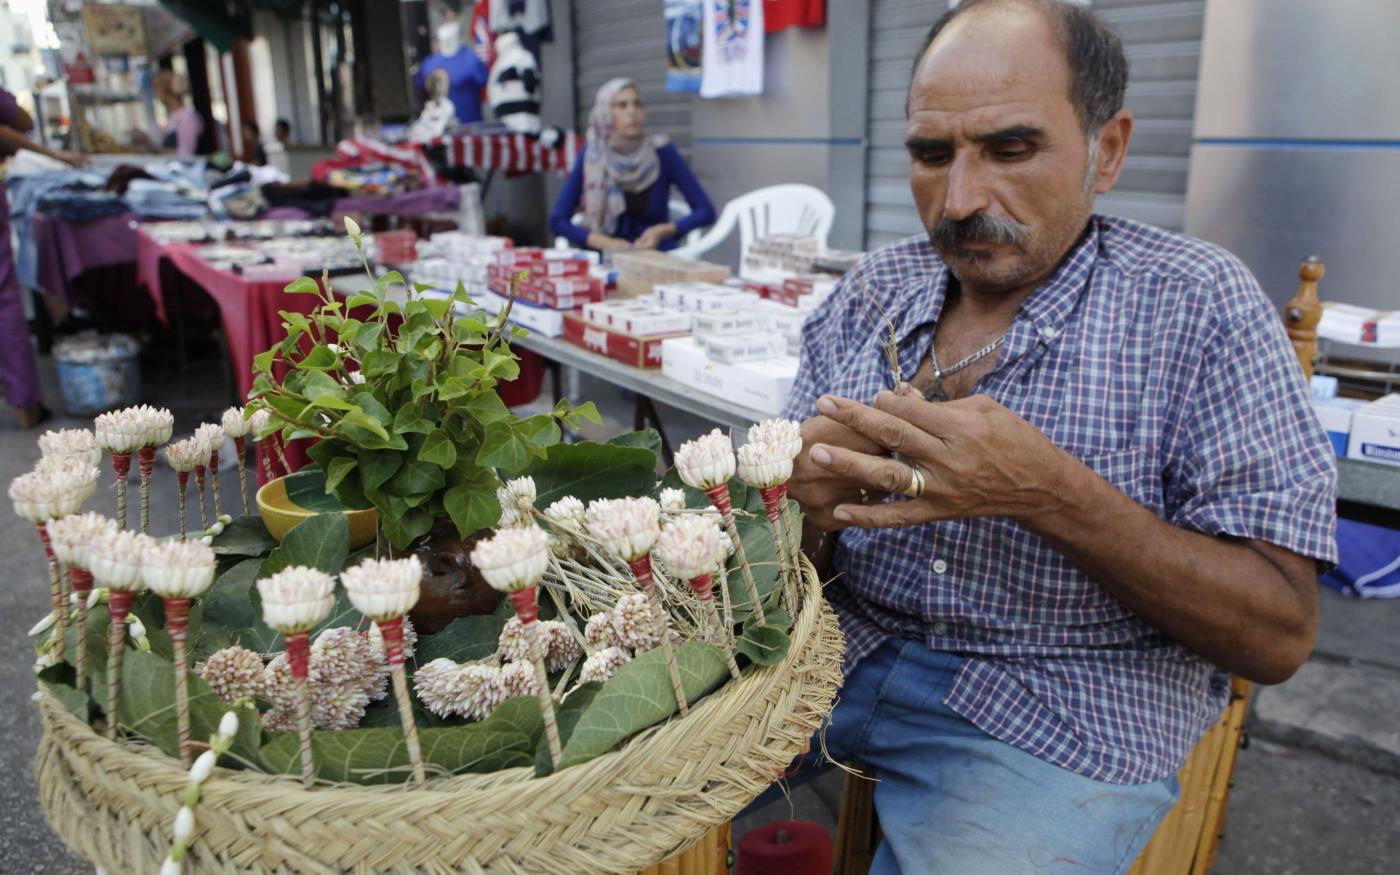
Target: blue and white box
1375	431
1335	415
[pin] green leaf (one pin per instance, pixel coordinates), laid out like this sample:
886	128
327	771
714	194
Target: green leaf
566	716
379	756
501	448
437	307
486	408
148	707
322	541
319	359
368	423
389	278
377	466
538	432
471	509
379	361
308	489
229	606
587	412
417	477
74	700
640	695
438	449
262	362
245	536
462	640
589	471
303	286
449	387
646	439
368	335
404	529
763	645
409	421
336	473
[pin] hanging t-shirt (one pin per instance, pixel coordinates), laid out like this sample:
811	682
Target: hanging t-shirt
526	16
733	48
782	14
466	75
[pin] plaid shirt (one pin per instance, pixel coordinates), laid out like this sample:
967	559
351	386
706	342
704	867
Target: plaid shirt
1158	361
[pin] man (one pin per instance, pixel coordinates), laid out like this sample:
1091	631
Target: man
1099	490
18	370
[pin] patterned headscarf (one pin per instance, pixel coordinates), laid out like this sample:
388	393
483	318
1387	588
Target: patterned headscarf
613	164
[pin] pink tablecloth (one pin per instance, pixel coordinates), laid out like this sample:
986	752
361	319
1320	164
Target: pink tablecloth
67	249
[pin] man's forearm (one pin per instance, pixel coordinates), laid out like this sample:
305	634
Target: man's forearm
1250	609
12	141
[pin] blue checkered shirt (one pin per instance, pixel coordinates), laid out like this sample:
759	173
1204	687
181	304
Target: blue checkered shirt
1158	361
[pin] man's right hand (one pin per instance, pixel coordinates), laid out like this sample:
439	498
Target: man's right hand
817	489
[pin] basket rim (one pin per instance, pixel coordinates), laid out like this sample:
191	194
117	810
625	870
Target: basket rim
155	765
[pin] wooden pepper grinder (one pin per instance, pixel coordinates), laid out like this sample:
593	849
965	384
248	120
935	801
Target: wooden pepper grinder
1301	315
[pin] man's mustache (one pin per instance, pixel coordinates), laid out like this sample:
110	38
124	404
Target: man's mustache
978	228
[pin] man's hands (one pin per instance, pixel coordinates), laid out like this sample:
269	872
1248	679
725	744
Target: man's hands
977	457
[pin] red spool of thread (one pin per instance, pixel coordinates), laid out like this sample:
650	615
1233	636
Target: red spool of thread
789	847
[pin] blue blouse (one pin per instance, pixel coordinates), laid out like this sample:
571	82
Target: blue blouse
630	225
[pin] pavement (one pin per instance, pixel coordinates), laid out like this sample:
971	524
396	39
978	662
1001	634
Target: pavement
1317	789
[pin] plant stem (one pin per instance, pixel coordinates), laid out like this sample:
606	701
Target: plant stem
214	475
199	485
564	615
57	591
177	618
527	611
641	569
281	456
121	464
704	590
392	633
266	460
82	585
719	497
146	461
240	444
183	478
119	605
726	604
774	498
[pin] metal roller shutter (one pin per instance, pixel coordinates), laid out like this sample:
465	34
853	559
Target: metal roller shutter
628	38
1163	44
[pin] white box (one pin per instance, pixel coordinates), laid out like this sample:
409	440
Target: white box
532	317
674	294
1375	431
1335	415
721	322
762	385
754	346
651	322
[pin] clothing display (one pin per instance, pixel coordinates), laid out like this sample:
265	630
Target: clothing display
782	14
1130	357
76	205
525	16
466	74
17	367
685	31
733	55
151	199
515	87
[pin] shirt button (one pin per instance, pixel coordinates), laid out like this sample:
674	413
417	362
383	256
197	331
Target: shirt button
940	628
939	566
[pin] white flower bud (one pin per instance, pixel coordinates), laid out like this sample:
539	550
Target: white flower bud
228	724
178	569
692	545
296	598
513	559
203	765
627	527
383	589
184	824
170	867
43	625
673	500
353	229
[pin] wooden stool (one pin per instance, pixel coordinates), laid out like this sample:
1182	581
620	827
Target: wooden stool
709	856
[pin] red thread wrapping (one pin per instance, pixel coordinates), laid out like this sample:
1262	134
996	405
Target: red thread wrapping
44	539
773	498
719	497
392	630
703	587
146	460
177	617
526	608
297	653
81	579
119	602
641	569
121	463
184	479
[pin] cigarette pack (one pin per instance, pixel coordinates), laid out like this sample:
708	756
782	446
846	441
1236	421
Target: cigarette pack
1375	431
639	352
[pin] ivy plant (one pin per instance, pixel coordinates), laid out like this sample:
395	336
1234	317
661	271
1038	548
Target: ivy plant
399	389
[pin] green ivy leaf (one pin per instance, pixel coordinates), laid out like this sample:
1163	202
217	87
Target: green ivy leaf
245	536
646	439
378	362
337	471
303	286
322	541
586	412
486	408
538	432
640	695
389	278
438	449
502	448
471	509
417	477
319	359
262	362
409	421
403	529
308	490
437	307
377	466
368	335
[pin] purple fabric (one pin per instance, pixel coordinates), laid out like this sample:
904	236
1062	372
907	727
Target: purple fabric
9	108
67	249
285	214
17	368
1158	361
435	199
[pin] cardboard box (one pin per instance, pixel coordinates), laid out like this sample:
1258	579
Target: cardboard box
762	385
639	352
641	270
1375	431
1335	414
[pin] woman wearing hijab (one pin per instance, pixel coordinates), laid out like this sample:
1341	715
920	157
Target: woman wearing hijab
622	182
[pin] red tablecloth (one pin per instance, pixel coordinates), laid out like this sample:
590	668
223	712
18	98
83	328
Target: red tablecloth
68	249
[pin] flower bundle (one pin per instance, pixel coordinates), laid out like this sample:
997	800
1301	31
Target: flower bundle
707	463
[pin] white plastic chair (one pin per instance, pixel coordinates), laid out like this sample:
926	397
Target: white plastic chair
778	209
675	207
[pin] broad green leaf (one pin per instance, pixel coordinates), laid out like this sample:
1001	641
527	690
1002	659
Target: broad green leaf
148	708
319	359
303	286
245	536
74	700
471	509
640	695
538	432
378	361
262	362
566	716
373	407
368	335
588	471
646	439
379	756
438	449
409	421
377	466
416	477
450	387
322	541
337	471
486	407
586	412
308	488
229	606
389	278
502	448
763	645
361	419
437	307
404	529
462	640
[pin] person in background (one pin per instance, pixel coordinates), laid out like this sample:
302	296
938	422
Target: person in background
253	151
282	130
17	368
622	181
183	125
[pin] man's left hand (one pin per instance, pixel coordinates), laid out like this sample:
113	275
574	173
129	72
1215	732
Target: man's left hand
977	457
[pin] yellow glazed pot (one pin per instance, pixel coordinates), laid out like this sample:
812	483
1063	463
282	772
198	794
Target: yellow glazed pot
280	514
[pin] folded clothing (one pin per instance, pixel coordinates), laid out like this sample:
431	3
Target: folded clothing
76	205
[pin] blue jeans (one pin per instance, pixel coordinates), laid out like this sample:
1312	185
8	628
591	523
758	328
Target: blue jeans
952	800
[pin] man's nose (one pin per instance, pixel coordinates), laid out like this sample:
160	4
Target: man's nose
966	193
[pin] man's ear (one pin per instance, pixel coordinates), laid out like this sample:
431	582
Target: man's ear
1113	150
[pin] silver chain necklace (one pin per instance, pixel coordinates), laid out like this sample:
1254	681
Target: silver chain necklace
935	392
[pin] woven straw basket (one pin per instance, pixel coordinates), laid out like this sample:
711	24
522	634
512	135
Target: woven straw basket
622	811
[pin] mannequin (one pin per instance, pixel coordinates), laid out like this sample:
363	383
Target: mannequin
439	115
466	73
514	92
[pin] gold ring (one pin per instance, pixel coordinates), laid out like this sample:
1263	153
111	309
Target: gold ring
916	482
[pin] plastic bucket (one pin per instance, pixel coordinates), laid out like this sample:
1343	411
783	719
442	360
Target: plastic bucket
98	372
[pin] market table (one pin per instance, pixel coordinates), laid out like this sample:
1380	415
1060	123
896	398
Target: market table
66	249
